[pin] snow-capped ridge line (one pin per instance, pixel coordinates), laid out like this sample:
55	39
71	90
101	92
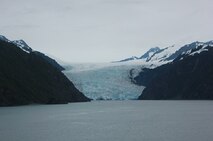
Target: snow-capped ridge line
158	57
23	45
3	38
19	43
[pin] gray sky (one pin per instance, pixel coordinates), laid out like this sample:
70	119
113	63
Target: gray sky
105	30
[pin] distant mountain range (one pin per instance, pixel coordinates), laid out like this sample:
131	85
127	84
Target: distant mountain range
159	56
188	76
29	77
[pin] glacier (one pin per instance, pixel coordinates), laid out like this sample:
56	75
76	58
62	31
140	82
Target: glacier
111	81
105	81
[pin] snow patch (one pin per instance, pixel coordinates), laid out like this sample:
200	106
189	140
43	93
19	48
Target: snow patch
21	44
199	51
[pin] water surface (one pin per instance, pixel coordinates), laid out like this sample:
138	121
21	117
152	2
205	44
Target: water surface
109	121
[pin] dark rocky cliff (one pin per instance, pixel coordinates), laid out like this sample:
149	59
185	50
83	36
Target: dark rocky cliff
187	77
27	78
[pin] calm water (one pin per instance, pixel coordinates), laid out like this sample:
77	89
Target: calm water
109	121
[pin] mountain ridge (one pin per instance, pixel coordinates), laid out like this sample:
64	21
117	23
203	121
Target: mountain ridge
165	55
188	77
27	78
25	47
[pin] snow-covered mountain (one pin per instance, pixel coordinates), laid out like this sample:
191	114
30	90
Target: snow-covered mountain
162	54
19	43
23	45
128	59
146	55
188	76
3	38
157	57
149	53
200	48
168	54
26	48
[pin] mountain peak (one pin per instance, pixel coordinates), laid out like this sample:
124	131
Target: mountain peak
23	45
19	43
3	38
149	53
129	59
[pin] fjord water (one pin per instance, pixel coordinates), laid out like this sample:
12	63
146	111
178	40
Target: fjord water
109	121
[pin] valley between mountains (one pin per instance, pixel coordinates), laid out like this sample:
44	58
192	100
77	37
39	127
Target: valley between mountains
171	73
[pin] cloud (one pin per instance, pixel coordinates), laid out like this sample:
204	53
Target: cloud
107	29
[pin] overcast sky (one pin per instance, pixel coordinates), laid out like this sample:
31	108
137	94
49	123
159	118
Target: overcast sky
105	30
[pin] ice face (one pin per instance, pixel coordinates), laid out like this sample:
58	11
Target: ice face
105	81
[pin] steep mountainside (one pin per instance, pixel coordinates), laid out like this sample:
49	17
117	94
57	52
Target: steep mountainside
49	60
27	78
189	76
